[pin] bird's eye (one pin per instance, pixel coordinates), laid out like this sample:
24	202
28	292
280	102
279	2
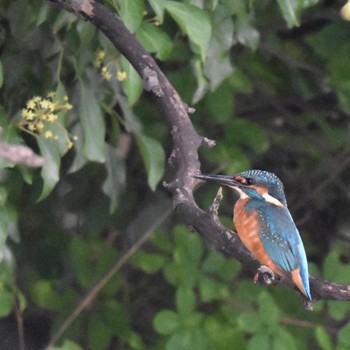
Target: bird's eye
244	180
249	181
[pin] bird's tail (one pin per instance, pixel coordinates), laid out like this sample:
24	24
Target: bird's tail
302	282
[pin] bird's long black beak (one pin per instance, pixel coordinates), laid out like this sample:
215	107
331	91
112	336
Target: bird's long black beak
221	179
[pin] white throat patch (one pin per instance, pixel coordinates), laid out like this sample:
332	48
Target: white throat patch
272	200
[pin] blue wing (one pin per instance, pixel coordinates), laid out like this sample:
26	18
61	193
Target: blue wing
282	241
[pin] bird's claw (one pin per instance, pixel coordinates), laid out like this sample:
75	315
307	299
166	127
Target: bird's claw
264	275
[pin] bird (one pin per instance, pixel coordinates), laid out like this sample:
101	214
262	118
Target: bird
265	225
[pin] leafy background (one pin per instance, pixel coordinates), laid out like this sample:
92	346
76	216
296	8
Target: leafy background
270	82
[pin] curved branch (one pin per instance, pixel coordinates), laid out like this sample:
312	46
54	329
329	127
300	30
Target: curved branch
186	141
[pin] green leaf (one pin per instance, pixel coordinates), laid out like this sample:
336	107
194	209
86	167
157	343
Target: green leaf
291	10
67	345
268	310
150	263
1	75
218	65
99	334
132	13
344	335
158	7
185	300
44	295
115	180
194	22
220	103
323	339
166	322
132	85
6	303
282	340
211	289
52	160
155	40
260	341
249	322
153	157
246	34
94	129
188	339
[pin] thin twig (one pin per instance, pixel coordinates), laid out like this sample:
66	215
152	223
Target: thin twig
19	321
92	294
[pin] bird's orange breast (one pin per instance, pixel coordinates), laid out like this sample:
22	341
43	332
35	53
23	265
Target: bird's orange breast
247	226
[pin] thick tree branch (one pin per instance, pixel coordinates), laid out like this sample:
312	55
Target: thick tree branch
186	141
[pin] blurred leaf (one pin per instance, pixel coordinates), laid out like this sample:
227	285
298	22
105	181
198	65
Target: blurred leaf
158	7
188	339
259	341
132	13
291	10
246	34
218	65
166	322
268	310
194	23
6	303
155	40
282	340
221	104
249	134
116	316
344	335
150	263
49	150
98	333
67	345
249	322
115	180
153	157
216	263
93	124
185	300
211	290
189	247
1	75
132	85
323	339
44	294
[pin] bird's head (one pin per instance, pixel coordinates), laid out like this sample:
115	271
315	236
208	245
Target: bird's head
257	184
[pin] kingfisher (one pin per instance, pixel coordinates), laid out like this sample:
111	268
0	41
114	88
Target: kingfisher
265	225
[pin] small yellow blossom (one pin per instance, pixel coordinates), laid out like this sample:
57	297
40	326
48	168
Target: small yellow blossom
31	104
48	134
27	114
121	75
41	111
52	117
40	126
75	138
46	104
106	74
67	107
69	144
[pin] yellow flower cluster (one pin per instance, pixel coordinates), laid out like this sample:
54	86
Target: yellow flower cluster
110	69
41	113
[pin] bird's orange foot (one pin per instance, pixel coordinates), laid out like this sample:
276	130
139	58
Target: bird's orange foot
264	275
